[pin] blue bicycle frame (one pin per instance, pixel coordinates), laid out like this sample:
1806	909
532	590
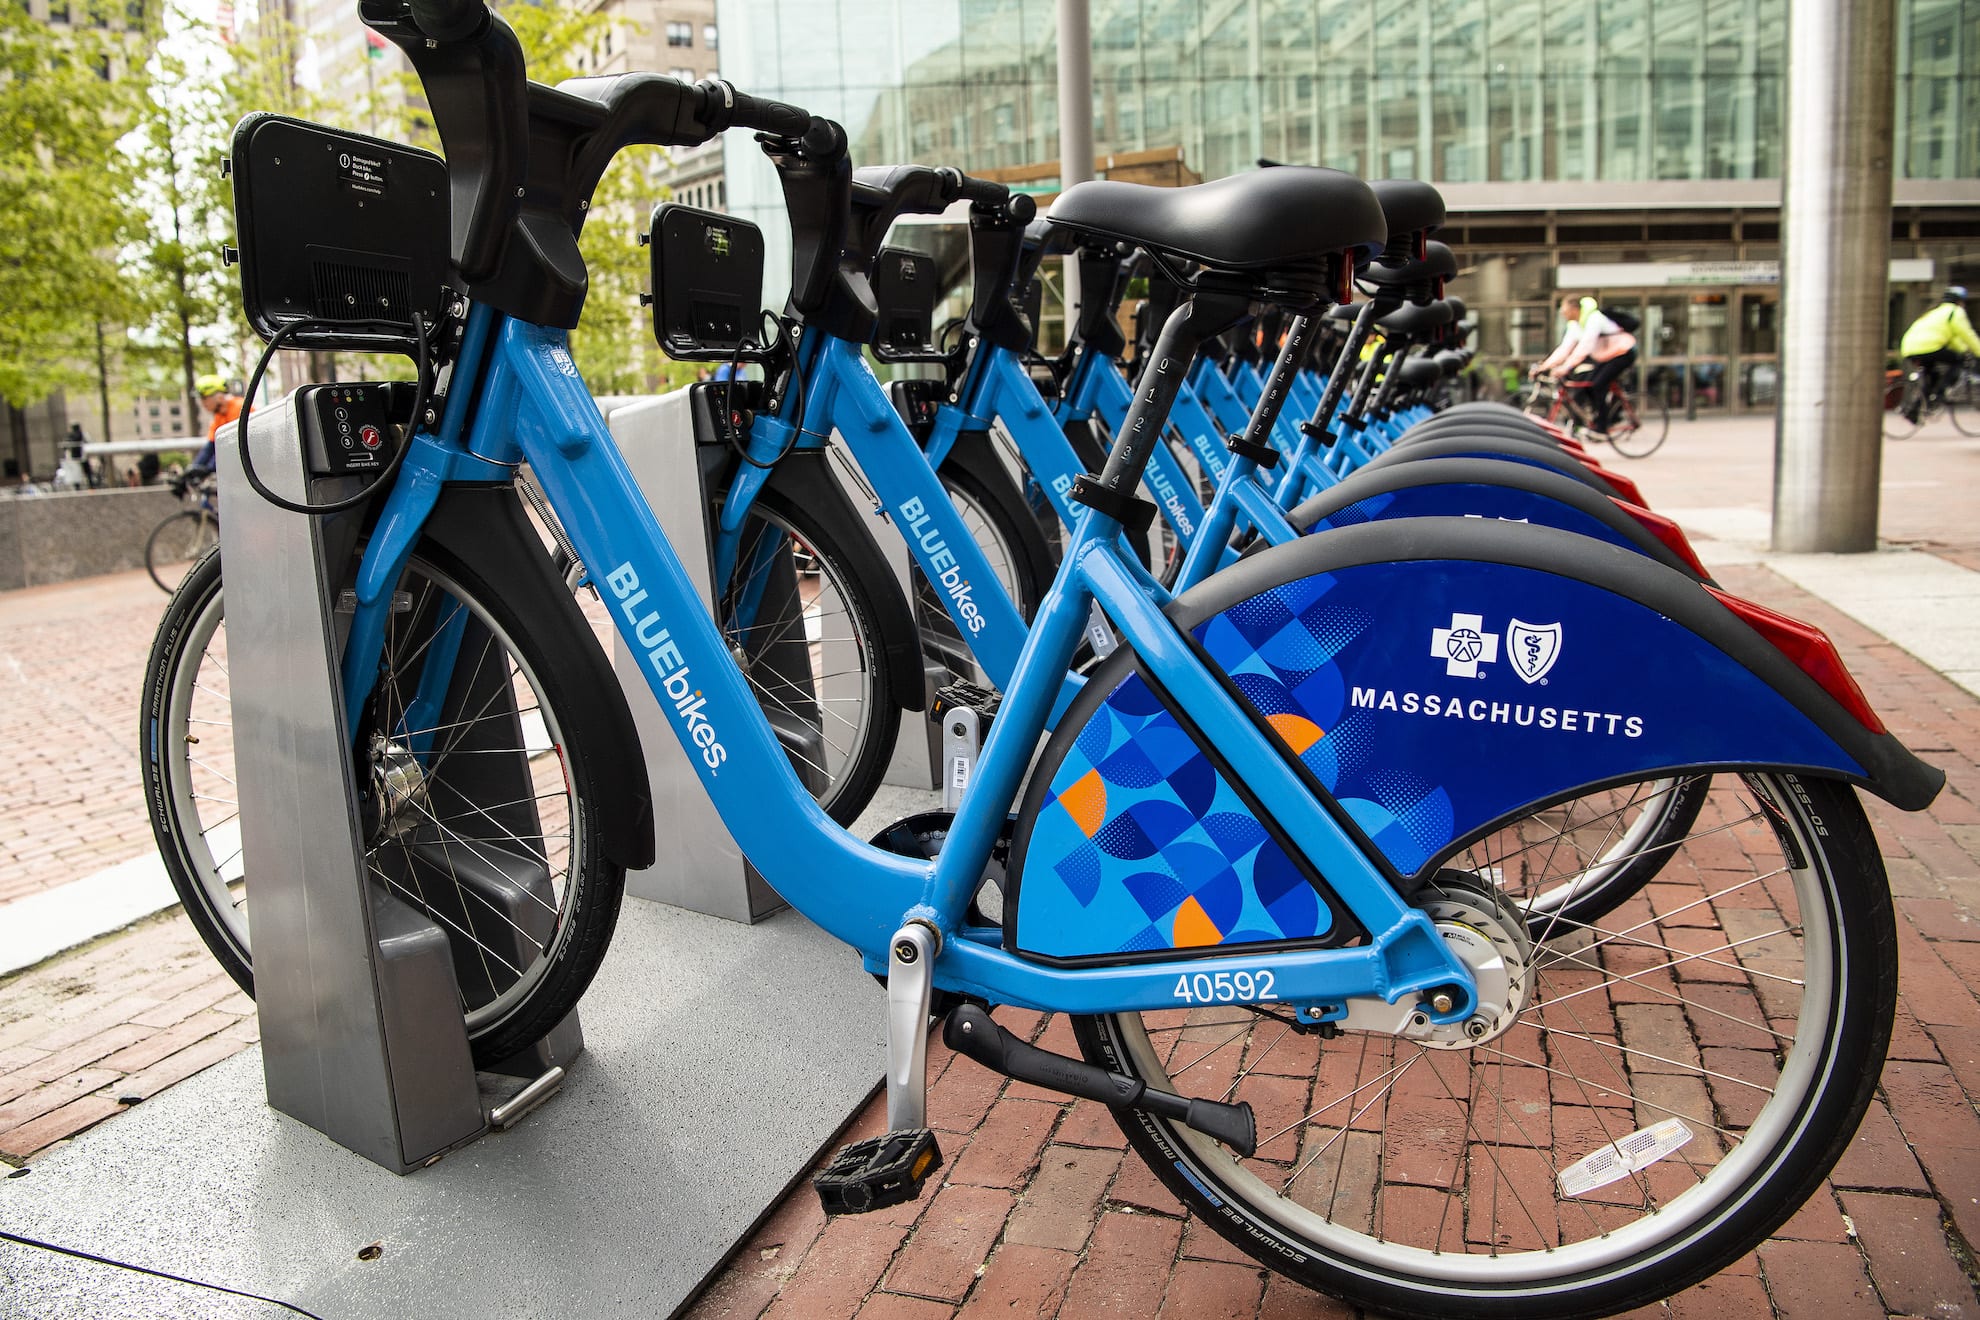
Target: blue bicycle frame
530	404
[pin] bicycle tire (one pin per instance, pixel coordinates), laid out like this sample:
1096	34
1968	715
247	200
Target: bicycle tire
851	710
1394	1246
438	831
176	543
1898	423
1962	414
1646	422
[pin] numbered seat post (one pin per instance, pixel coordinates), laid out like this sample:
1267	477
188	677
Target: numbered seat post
1211	312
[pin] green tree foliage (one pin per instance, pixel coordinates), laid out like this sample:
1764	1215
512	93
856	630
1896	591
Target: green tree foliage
190	300
65	198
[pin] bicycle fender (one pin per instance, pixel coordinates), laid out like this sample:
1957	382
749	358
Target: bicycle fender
1471	424
804	477
1465	671
1482	488
1432	679
485	526
1503	448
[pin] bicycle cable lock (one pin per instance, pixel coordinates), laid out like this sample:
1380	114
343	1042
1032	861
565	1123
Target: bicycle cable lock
421	355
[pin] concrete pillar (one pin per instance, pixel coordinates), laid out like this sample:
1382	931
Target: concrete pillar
1075	118
1835	263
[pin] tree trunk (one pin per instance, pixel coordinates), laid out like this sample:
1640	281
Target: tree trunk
103	382
17	429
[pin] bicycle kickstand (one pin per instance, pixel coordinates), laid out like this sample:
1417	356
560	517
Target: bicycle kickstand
887	1170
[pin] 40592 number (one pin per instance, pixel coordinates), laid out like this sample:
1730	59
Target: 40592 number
1225	987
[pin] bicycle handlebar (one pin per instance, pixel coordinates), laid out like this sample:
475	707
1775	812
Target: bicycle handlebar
723	107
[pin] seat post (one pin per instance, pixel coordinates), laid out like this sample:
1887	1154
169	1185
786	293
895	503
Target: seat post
1210	312
1292	356
1337	380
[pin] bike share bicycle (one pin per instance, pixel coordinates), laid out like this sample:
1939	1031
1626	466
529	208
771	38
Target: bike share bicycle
1246	848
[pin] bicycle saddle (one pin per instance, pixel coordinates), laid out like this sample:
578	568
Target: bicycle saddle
1450	361
1290	217
1418	373
1416	319
1410	206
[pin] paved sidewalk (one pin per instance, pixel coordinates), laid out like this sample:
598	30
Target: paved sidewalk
1066	1225
71	658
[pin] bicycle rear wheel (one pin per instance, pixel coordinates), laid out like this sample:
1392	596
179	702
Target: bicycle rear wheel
488	800
1905	419
1642	422
1728	1032
176	542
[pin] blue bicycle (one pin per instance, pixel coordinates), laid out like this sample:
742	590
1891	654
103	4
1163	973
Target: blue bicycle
1264	854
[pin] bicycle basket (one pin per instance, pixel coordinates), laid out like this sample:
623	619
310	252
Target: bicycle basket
337	227
707	285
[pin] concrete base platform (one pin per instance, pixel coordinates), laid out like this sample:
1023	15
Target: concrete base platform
721	1058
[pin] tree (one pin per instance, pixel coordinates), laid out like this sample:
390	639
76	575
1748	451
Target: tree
188	295
64	202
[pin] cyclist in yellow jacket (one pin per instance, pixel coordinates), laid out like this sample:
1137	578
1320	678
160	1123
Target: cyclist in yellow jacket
1935	342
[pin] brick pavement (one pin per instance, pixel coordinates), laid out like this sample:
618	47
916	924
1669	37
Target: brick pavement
1047	1217
71	660
109	1025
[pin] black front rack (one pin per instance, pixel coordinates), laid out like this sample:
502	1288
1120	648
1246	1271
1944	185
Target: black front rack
345	232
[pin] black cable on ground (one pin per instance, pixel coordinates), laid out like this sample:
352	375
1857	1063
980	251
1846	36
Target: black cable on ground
39	1245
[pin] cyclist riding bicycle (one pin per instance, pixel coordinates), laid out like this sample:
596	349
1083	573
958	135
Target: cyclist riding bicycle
1934	344
1591	337
225	407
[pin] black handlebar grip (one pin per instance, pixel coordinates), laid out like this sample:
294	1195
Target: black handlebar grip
766	116
723	107
984	193
448	21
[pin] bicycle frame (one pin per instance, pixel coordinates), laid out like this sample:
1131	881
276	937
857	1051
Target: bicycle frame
530	404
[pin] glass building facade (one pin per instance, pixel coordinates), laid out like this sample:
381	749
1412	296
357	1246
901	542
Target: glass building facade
1637	141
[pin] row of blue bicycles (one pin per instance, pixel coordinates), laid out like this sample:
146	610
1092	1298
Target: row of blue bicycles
1463	904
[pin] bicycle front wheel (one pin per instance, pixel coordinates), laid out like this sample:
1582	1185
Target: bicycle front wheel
1654	1101
1642	421
1964	410
805	631
1007	536
480	813
176	542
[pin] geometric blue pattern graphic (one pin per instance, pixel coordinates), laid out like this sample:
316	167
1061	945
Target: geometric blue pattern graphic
1142	846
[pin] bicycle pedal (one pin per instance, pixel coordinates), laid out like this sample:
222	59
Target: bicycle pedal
966	695
879	1172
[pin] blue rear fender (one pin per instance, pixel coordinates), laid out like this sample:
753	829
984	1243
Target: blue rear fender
1437	675
1432	678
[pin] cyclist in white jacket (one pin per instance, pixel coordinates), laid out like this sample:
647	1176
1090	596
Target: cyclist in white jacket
1591	337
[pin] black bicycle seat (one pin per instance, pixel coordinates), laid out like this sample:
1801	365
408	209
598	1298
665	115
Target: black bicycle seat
1417	373
1412	319
1410	205
1284	218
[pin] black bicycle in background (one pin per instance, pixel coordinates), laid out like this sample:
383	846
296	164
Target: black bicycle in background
184	536
1913	399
